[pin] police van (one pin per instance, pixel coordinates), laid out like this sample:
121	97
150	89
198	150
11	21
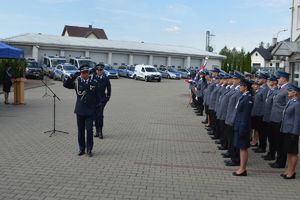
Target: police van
147	73
50	62
80	61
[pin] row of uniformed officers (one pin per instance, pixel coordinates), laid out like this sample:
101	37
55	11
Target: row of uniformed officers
93	91
241	109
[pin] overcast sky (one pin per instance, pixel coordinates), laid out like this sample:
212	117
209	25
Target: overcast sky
236	23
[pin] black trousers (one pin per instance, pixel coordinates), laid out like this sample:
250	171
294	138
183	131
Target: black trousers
222	133
279	143
200	105
262	133
271	138
99	118
233	152
85	123
212	117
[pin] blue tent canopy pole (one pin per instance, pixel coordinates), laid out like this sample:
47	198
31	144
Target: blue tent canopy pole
7	51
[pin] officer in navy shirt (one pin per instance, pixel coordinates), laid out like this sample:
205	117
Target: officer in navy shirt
85	87
104	93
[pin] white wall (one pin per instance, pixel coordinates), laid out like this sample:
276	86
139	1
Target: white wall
256	58
295	20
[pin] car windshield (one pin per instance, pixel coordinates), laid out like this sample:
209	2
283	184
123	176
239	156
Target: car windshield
32	65
69	67
58	61
131	68
87	62
108	67
150	69
172	70
182	70
122	67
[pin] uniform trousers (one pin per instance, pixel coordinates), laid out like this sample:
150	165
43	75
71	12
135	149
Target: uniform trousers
279	143
233	152
85	123
200	104
99	118
262	133
271	138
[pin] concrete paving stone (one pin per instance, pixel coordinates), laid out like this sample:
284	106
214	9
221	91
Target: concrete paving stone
154	148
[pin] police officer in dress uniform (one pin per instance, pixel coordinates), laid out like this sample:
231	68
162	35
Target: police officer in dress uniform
257	111
104	93
290	128
272	82
242	125
233	153
85	87
279	102
200	87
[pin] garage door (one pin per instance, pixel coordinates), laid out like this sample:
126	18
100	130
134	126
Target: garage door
196	63
140	59
213	63
47	52
177	62
120	59
159	60
74	54
99	57
27	50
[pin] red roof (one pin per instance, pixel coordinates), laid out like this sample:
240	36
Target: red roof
76	31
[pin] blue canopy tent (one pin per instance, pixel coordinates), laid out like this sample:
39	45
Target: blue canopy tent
7	51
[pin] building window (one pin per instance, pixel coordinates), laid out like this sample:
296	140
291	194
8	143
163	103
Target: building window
155	65
298	17
256	54
271	64
277	65
115	63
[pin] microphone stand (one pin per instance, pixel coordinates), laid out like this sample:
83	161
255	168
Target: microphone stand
54	98
46	92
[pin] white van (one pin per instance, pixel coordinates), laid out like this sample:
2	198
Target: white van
147	73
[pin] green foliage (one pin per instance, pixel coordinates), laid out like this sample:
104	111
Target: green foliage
236	60
18	68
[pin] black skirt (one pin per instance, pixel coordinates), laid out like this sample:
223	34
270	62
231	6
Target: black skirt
291	143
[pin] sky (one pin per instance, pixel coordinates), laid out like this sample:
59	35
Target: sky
235	23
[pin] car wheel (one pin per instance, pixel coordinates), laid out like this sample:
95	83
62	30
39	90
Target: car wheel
42	77
158	80
146	78
168	77
135	77
62	78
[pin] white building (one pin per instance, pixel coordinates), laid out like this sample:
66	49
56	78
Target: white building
290	50
115	53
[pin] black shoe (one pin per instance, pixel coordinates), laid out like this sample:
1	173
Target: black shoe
260	150
214	138
269	157
209	129
80	153
282	175
210	132
276	165
199	114
89	153
254	145
96	135
242	174
231	164
204	122
225	154
222	148
290	177
218	142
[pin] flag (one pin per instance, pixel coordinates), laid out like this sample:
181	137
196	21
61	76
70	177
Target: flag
203	66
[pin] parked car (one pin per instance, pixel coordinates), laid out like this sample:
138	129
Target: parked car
170	73
50	62
122	70
184	73
63	71
80	61
110	71
130	71
33	70
147	73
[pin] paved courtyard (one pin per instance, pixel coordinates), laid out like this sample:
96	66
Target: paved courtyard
155	147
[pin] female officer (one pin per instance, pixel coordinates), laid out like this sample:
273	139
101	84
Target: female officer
7	83
242	125
290	127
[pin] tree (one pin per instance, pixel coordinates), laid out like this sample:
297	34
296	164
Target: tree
261	44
